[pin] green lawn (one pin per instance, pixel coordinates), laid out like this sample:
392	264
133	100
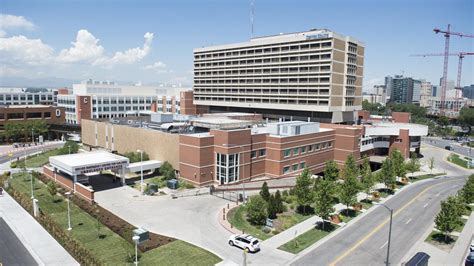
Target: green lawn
109	247
366	204
351	214
37	160
307	239
237	217
454	158
460	226
438	240
423	177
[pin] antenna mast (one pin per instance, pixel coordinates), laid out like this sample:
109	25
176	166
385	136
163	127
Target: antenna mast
252	14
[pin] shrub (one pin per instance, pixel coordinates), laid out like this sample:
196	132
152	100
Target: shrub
167	171
13	165
264	192
135	157
256	210
52	189
284	193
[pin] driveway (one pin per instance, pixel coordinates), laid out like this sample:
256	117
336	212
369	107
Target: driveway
192	219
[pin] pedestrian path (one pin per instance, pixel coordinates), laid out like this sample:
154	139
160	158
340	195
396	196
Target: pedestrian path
39	243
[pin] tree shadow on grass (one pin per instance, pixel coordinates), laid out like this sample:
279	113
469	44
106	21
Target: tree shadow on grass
305	210
328	227
386	190
441	238
366	201
349	213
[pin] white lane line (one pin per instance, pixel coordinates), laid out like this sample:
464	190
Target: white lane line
424	206
384	244
409	220
437	195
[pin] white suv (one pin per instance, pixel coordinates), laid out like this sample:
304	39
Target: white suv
245	241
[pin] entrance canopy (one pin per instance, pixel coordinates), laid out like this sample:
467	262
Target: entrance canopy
88	162
145	165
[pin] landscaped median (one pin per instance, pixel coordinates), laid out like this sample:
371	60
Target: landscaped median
98	237
308	238
461	161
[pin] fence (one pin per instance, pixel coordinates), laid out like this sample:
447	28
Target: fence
228	195
191	192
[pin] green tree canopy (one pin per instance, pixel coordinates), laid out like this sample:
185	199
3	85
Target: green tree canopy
398	163
135	157
348	191
272	207
467	192
331	171
256	210
367	177
69	146
323	198
351	169
279	202
52	189
466	117
387	173
264	192
167	171
413	165
302	190
448	217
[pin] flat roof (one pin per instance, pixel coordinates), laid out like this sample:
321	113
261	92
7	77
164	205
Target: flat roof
29	106
72	163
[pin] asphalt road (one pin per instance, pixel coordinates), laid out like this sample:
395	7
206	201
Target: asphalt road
441	143
365	242
12	251
31	150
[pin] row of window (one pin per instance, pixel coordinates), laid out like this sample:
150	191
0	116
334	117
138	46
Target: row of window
24	97
259	71
295	47
295	167
261	153
31	115
277	81
266	60
309	148
262	91
262	100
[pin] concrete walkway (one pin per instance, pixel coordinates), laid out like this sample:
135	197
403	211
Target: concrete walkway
39	243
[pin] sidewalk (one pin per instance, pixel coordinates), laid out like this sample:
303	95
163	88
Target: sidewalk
41	245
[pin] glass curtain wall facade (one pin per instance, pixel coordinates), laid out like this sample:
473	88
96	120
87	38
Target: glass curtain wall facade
227	168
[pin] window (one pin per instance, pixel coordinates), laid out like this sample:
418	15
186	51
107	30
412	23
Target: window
286	153
296	151
303	149
286	169
330	144
253	154
323	145
295	167
310	148
227	168
316	147
262	152
302	165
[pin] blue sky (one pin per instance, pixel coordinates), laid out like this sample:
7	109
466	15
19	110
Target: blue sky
391	30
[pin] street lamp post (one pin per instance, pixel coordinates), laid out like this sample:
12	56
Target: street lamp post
135	239
31	179
32	137
69	228
387	262
141	170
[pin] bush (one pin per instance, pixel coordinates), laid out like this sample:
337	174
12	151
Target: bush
13	165
284	193
167	171
256	210
69	147
135	157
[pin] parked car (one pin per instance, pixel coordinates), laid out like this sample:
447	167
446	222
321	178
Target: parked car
245	241
448	147
472	246
419	259
469	259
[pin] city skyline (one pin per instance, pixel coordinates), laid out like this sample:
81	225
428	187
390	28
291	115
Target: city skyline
153	42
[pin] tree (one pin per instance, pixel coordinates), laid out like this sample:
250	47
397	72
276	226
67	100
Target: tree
70	147
279	202
264	192
167	171
367	178
431	165
52	189
398	163
387	173
323	198
303	190
272	208
256	210
135	157
466	118
413	165
447	218
351	169
443	121
467	192
331	171
348	191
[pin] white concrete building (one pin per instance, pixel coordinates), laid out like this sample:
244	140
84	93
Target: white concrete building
93	100
25	96
316	74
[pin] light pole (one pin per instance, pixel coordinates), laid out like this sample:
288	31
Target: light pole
69	228
32	137
387	262
135	239
31	179
141	170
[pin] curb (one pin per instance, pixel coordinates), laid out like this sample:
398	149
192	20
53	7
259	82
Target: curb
225	223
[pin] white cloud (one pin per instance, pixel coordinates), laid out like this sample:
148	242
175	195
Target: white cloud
6	71
129	56
85	48
158	67
30	51
18	22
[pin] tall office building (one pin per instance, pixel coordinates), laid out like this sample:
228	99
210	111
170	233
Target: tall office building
316	74
388	86
405	90
468	91
426	93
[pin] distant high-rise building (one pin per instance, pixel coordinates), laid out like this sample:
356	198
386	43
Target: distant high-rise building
468	91
316	74
425	93
405	90
388	85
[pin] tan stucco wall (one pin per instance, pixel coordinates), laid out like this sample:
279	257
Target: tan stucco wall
158	145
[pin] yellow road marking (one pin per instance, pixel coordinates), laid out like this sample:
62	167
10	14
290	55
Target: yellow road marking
376	229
